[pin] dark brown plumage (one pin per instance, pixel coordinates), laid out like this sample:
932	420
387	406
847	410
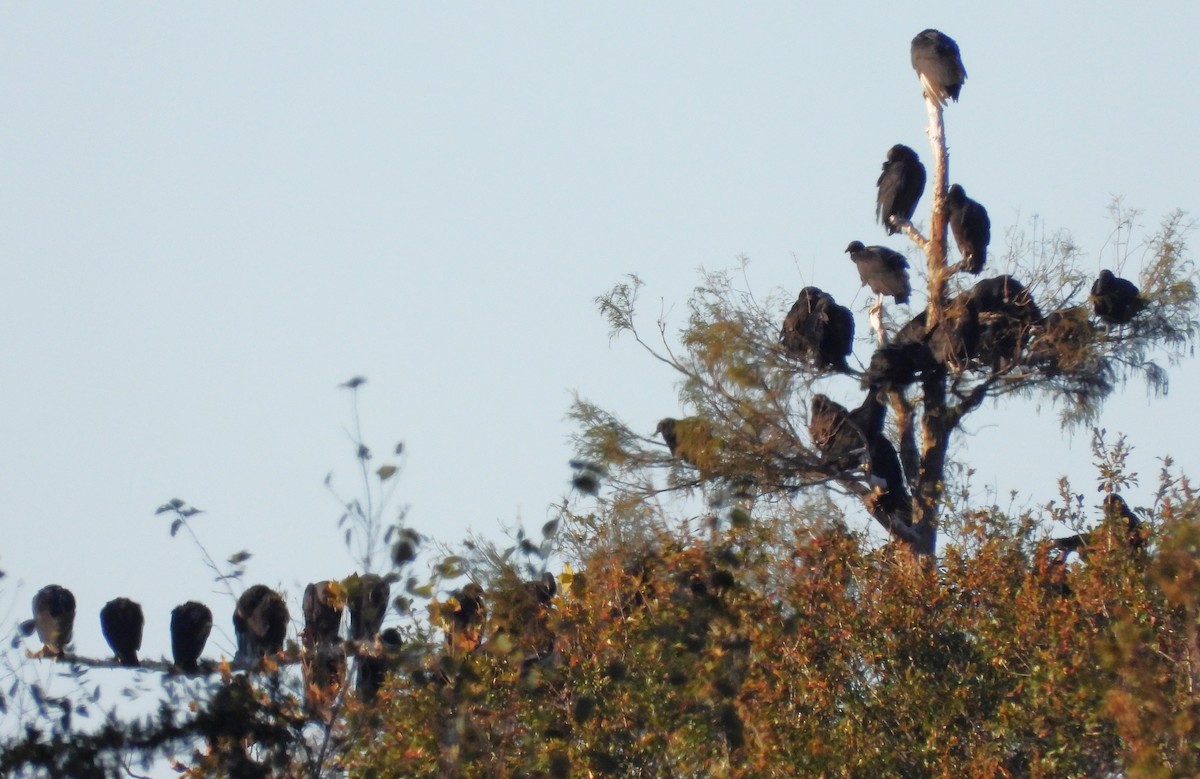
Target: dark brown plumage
840	440
819	330
936	59
465	622
368	597
1114	299
322	606
883	270
121	622
971	227
543	589
1008	318
900	186
191	623
54	618
260	624
899	364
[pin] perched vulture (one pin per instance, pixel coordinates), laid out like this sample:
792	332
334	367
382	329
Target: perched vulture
544	589
900	187
938	64
899	364
372	671
260	624
466	620
191	623
1008	317
883	270
971	227
891	492
121	622
953	342
840	440
1114	299
54	618
1115	508
689	439
323	604
1062	341
818	329
368	597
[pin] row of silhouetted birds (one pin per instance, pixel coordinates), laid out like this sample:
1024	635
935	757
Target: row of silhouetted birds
987	326
260	621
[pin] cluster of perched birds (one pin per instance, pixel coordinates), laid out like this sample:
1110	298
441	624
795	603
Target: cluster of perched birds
260	624
988	326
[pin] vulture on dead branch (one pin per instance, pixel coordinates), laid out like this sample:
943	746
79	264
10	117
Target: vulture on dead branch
1114	299
818	329
260	624
883	270
971	227
900	187
54	618
323	604
939	65
191	623
121	622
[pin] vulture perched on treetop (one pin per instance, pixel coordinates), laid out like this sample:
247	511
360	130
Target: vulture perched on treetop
368	597
1007	319
191	623
883	270
818	329
1114	299
900	187
971	227
323	604
54	618
259	623
936	59
121	622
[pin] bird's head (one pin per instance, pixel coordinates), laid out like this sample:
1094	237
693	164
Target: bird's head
855	246
956	194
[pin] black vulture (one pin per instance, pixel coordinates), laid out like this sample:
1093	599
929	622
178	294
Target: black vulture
1115	507
260	624
191	623
953	342
368	597
1008	317
1114	299
818	329
121	622
372	670
323	605
871	415
883	270
900	187
842	443
466	618
1063	340
891	492
939	65
544	589
971	227
54	618
899	364
689	439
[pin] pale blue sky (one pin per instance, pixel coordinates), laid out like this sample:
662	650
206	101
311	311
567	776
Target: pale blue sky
213	213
